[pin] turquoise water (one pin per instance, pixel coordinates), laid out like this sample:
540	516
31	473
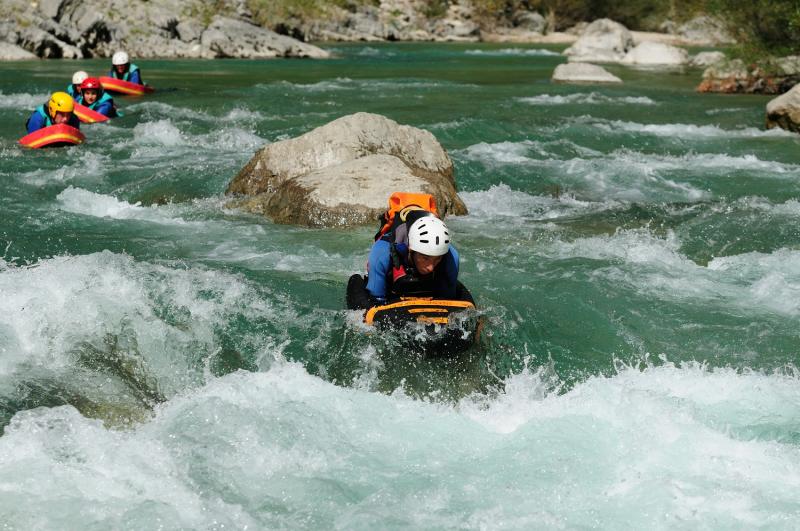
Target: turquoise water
168	362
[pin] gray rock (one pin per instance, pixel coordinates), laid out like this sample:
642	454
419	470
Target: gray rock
656	54
51	8
583	73
789	65
705	30
227	37
668	26
8	32
735	69
603	41
63	33
450	29
351	193
366	24
343	172
44	45
456	25
530	21
82	18
705	59
12	52
577	29
189	30
784	111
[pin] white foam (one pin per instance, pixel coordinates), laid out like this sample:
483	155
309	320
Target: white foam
339	83
624	174
374	52
79	201
616	176
772	280
685	130
160	110
726	110
231	139
635	246
652	447
655	265
541	52
25	101
89	166
240	115
55	306
500	201
161	133
591	98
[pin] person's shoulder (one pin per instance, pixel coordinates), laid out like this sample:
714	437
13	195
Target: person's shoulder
381	245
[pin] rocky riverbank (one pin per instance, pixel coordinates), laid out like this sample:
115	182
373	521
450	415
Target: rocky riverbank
54	29
228	28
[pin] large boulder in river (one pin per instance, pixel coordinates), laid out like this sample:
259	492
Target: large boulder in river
342	173
784	111
656	54
583	73
603	41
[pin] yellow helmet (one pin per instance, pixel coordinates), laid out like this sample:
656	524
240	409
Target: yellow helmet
60	102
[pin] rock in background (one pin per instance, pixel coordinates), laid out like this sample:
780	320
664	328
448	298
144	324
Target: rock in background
656	54
603	41
342	173
144	28
734	76
784	111
583	73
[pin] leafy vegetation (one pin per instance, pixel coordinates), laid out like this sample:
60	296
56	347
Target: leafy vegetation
762	26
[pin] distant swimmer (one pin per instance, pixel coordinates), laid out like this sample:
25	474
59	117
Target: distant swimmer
74	89
97	99
58	110
122	68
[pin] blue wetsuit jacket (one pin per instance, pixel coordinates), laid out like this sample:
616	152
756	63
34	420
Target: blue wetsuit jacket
40	119
379	279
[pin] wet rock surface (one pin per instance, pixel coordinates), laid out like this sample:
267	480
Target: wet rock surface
343	172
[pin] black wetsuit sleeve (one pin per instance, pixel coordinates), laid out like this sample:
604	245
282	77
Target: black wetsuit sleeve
358	298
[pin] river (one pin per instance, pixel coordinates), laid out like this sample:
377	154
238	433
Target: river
168	362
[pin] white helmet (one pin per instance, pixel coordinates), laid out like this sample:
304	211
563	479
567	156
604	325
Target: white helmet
429	235
120	58
78	77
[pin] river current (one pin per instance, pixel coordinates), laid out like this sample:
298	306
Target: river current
169	363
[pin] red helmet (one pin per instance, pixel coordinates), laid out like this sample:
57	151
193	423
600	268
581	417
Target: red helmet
91	83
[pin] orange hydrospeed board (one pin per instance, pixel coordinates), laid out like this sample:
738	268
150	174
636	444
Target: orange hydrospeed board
124	87
87	115
54	135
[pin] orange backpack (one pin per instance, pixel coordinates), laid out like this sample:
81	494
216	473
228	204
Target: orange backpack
400	204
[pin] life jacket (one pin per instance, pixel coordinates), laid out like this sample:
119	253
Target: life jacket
400	205
406	282
126	77
47	120
102	99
